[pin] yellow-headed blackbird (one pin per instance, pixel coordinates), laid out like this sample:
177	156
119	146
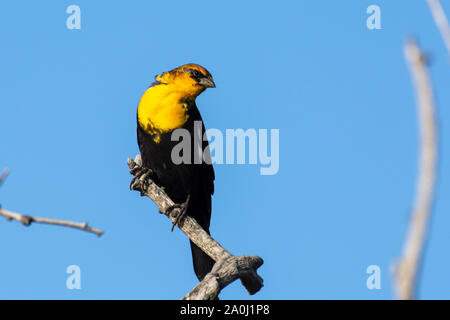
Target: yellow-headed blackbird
167	105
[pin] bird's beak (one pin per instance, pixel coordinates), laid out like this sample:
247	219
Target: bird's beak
207	83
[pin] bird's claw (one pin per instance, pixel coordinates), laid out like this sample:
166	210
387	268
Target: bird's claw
183	209
140	180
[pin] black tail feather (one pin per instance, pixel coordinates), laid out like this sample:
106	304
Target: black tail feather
202	262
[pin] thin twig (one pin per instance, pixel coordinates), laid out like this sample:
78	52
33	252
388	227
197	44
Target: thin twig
407	268
227	268
27	220
441	21
4	175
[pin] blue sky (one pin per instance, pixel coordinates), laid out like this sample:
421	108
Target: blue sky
340	94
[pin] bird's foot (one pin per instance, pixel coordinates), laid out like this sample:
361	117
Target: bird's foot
183	209
141	178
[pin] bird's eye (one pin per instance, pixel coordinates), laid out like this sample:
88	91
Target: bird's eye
196	73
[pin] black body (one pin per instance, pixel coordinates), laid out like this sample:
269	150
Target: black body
179	181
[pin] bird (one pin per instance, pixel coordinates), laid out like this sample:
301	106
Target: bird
167	105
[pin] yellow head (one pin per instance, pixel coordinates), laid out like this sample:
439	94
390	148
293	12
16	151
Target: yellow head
189	79
164	106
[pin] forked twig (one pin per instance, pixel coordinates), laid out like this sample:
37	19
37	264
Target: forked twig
227	268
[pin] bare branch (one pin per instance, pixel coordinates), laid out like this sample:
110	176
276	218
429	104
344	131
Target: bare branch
224	272
407	268
441	21
27	220
227	268
4	175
